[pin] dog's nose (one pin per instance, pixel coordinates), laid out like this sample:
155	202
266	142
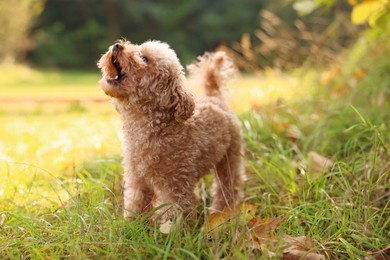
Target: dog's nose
117	47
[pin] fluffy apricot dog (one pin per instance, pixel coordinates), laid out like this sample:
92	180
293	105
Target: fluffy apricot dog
172	139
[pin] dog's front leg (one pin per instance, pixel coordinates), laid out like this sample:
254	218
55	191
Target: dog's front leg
174	200
137	197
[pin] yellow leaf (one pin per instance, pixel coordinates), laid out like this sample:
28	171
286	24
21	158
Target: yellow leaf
248	210
375	16
218	221
367	11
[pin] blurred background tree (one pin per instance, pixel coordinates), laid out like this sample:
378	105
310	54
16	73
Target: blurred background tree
258	33
16	19
73	33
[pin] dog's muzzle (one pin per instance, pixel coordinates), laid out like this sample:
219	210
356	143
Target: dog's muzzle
116	49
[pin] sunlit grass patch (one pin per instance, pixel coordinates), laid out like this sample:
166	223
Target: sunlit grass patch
22	75
256	90
45	141
38	152
319	160
259	90
344	206
19	81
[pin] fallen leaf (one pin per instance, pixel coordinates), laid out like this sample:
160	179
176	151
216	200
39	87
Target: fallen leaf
165	228
318	163
261	236
258	234
264	228
248	210
217	221
299	248
368	11
262	239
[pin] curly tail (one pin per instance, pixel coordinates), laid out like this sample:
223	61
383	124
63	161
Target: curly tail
212	71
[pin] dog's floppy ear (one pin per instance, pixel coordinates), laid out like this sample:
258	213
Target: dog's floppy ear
175	99
185	105
172	97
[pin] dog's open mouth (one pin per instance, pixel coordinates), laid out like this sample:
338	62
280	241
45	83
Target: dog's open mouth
119	75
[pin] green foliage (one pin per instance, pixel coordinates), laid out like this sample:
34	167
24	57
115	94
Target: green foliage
75	33
16	20
347	206
373	12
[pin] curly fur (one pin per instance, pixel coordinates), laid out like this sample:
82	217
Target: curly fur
172	139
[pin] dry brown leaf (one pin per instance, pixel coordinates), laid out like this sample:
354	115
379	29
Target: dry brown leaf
261	236
258	234
299	248
165	228
318	163
286	247
264	228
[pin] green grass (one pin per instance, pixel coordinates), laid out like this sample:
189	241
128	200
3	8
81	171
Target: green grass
18	81
60	170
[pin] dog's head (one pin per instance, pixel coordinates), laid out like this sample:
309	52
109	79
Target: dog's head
147	76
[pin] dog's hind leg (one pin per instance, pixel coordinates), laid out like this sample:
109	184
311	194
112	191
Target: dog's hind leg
227	186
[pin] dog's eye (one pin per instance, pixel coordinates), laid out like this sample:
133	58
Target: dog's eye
145	59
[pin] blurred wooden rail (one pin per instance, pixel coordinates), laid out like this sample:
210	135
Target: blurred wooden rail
53	100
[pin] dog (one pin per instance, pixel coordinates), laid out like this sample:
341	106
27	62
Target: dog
171	138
